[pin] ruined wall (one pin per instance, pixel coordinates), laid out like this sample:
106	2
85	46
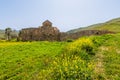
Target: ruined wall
53	34
65	36
26	34
43	33
48	33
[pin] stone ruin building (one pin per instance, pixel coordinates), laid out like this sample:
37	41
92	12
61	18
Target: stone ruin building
47	32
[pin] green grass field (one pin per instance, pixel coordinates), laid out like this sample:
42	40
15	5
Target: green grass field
22	60
88	58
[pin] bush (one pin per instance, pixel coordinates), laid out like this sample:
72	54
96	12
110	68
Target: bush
99	40
79	47
69	40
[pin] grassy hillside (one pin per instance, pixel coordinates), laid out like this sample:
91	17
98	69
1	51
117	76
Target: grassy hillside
88	58
108	57
112	25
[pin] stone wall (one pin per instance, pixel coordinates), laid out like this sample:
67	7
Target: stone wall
44	33
48	33
65	36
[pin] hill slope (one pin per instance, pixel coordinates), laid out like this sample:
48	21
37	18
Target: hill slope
112	25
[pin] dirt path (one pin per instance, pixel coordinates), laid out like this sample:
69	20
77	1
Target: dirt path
99	64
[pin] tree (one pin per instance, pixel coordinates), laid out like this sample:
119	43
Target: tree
8	33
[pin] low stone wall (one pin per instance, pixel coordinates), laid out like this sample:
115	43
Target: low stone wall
53	34
65	36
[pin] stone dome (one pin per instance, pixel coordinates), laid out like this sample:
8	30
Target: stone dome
47	23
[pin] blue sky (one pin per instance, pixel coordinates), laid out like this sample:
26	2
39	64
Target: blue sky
65	14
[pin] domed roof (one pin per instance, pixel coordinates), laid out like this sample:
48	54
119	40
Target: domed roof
47	23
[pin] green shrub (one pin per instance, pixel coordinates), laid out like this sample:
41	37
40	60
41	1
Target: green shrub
82	47
99	40
69	40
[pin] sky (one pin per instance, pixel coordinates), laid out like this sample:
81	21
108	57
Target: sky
64	14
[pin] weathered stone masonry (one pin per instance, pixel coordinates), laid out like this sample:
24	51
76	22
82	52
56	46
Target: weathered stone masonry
44	32
47	32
